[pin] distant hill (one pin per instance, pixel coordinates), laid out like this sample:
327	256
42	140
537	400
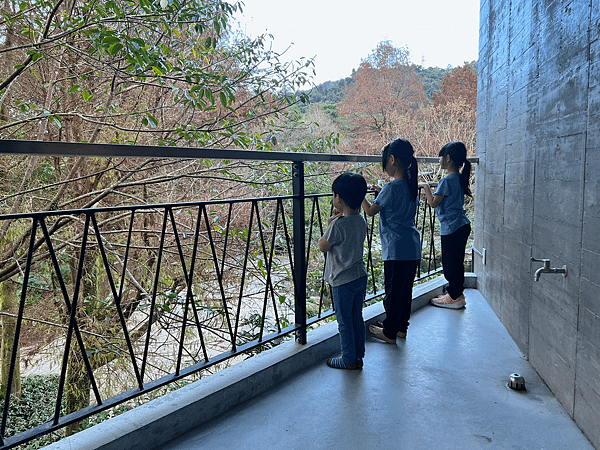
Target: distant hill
330	93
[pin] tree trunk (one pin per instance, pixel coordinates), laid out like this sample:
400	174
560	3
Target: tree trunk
9	303
78	384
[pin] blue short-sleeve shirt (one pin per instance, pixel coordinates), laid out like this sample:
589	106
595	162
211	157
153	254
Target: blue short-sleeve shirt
400	239
450	211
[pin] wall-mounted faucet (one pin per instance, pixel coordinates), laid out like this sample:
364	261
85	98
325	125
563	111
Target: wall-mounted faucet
547	269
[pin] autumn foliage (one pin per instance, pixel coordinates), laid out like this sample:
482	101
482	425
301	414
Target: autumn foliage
387	100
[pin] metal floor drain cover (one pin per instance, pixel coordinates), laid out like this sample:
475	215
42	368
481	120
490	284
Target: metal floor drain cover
516	382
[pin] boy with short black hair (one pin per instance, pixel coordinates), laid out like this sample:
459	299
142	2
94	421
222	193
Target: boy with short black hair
343	243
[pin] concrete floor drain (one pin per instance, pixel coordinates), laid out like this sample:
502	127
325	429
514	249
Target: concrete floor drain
516	382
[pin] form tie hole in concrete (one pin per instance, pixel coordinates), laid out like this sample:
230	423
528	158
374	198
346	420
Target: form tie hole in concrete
516	382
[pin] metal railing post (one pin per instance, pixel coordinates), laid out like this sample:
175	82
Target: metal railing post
299	251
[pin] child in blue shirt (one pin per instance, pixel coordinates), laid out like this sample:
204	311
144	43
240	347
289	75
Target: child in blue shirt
397	204
343	242
455	228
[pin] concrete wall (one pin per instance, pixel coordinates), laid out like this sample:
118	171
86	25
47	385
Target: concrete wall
538	188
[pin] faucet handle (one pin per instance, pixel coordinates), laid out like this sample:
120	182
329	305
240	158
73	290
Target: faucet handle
545	261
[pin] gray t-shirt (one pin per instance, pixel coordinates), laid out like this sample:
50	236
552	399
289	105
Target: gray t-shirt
345	263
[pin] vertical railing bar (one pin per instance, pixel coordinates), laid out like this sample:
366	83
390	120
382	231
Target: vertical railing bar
188	282
370	257
78	335
154	291
219	278
276	222
13	357
242	282
287	241
310	232
322	287
226	237
179	247
262	241
114	292
72	320
300	265
268	281
423	235
431	237
190	293
120	308
126	257
189	288
117	296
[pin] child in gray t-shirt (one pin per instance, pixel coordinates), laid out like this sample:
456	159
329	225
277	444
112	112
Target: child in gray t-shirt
343	243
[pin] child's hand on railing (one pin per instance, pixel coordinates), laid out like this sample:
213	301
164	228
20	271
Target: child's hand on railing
334	214
375	187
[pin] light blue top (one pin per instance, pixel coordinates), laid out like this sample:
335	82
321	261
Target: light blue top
345	263
400	240
451	212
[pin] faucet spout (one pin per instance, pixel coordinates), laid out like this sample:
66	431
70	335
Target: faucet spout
538	273
547	269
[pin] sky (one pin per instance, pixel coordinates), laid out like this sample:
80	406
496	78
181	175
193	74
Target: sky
340	33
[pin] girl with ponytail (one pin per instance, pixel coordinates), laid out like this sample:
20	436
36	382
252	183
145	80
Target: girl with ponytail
455	227
397	204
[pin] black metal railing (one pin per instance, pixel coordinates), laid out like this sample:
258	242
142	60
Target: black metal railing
147	295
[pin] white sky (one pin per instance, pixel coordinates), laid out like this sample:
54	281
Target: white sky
339	33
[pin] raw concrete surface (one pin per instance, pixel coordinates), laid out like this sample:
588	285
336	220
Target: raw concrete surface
444	387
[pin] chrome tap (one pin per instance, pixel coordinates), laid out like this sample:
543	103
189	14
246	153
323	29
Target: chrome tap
547	269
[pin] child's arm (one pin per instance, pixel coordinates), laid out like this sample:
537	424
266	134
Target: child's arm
324	245
371	208
433	200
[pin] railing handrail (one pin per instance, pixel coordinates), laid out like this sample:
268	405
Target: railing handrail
296	237
54	148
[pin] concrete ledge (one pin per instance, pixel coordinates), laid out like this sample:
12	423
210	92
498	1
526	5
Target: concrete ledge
161	420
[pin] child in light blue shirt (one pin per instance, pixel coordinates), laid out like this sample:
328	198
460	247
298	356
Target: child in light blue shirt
455	228
397	204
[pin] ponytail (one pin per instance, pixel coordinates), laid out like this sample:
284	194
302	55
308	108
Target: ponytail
413	175
458	155
464	178
403	151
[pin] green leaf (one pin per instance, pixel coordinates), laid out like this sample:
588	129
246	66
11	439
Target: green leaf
110	40
87	96
223	99
74	88
151	120
114	49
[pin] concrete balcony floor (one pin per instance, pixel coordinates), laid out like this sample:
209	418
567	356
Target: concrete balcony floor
444	387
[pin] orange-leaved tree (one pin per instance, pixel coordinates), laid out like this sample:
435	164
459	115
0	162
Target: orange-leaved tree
461	83
385	87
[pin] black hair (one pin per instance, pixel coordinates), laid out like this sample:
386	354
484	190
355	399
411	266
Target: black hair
458	155
404	153
351	187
